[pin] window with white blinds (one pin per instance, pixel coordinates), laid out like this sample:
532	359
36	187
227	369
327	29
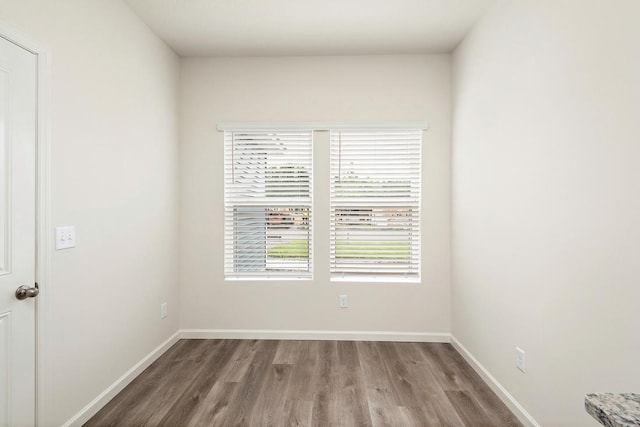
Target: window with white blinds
268	188
375	204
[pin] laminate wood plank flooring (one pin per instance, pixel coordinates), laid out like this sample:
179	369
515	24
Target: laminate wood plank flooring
306	383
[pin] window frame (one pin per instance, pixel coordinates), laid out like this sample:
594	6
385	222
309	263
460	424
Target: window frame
320	215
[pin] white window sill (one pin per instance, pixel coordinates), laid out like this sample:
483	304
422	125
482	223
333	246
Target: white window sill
268	279
371	279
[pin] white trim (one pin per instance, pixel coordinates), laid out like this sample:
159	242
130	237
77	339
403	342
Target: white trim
372	278
14	36
118	385
267	334
44	239
319	126
43	214
251	279
497	388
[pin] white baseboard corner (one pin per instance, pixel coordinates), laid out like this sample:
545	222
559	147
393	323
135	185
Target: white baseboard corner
118	385
515	407
266	334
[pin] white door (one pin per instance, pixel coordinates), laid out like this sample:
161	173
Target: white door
17	234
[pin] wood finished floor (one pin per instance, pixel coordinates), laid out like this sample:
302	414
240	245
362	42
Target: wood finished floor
306	383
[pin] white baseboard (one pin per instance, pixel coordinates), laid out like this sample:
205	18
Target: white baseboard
497	388
103	398
266	334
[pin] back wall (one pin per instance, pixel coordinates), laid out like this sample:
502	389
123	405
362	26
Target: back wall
290	89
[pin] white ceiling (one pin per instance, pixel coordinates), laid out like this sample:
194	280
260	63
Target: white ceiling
309	27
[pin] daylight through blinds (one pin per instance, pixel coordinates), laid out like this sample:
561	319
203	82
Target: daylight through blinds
375	203
268	187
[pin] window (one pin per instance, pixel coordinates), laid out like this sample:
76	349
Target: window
375	204
268	187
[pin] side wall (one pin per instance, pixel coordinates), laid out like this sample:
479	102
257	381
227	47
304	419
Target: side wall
546	178
366	88
114	160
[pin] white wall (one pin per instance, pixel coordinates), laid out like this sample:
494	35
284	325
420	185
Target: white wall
114	161
367	88
546	185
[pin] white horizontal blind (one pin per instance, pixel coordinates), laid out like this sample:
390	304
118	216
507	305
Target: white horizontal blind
268	188
375	203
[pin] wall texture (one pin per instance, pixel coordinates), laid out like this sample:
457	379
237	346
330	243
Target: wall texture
373	88
545	200
114	159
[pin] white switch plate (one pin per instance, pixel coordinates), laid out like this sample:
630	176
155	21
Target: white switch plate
520	358
65	237
344	301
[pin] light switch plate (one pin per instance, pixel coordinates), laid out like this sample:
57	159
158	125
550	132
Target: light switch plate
65	237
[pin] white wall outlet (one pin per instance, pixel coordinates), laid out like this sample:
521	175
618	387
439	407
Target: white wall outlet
163	310
65	237
344	301
520	359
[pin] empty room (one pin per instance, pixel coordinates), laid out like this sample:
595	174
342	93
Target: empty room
319	213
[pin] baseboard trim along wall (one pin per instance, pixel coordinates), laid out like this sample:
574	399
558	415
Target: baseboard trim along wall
497	388
118	385
266	334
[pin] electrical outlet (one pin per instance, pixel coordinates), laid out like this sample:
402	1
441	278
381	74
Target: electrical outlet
163	310
520	359
344	301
